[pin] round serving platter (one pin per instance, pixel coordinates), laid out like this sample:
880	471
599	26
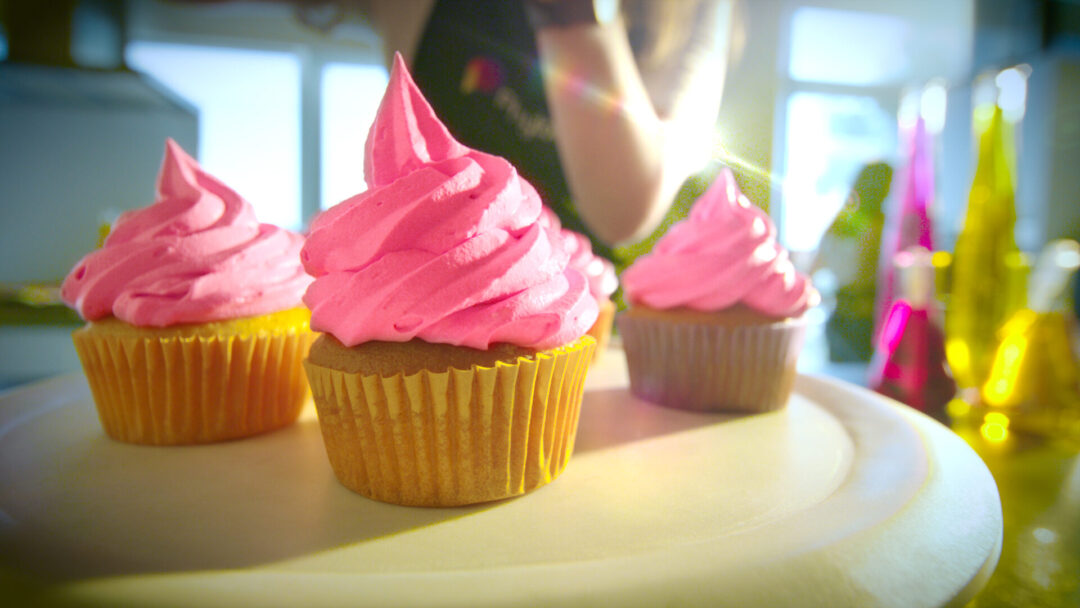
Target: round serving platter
843	498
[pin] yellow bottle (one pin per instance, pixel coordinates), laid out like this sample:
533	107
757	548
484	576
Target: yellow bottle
985	290
1035	378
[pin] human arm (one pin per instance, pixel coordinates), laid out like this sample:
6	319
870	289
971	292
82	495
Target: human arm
628	137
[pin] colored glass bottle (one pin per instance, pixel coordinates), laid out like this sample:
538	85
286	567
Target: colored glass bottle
909	359
984	288
1034	374
908	223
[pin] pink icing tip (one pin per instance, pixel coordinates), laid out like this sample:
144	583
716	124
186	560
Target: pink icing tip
722	195
178	173
444	246
407	135
724	253
196	255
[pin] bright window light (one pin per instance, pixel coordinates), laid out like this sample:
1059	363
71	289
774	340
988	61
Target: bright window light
829	139
249	117
932	105
1012	91
350	97
928	102
847	47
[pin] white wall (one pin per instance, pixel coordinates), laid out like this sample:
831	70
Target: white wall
76	148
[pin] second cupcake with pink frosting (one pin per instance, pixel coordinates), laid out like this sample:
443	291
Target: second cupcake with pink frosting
598	271
717	310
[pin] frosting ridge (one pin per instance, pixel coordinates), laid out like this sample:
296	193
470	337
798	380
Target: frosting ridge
444	245
196	255
724	253
598	271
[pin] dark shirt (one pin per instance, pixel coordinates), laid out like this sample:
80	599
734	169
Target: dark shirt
477	64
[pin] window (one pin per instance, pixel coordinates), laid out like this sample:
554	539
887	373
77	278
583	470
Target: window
848	48
838	114
842	76
249	117
350	98
829	138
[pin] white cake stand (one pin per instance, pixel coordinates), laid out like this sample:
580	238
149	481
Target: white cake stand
843	499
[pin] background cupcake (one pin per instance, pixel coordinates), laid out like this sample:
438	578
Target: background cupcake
716	316
454	358
598	271
196	331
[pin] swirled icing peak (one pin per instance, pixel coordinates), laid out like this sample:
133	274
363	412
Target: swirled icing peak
725	253
196	255
444	245
598	271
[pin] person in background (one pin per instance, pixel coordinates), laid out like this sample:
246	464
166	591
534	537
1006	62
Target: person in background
849	250
607	108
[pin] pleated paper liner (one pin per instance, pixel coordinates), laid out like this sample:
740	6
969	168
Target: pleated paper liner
456	437
179	390
601	329
707	367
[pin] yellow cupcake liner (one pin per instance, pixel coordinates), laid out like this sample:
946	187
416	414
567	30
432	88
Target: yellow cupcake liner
457	437
601	329
160	390
704	367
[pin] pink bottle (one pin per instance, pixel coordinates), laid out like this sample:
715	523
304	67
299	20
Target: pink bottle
909	354
907	221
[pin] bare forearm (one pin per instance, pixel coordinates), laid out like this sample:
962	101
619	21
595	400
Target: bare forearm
608	134
631	135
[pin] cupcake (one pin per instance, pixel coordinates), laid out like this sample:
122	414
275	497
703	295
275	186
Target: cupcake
598	271
195	327
454	352
717	311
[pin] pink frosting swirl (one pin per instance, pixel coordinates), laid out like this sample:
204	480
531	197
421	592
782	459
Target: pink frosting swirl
196	255
598	271
444	245
723	254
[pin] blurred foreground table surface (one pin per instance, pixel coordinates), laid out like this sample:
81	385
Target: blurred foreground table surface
841	499
1039	483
